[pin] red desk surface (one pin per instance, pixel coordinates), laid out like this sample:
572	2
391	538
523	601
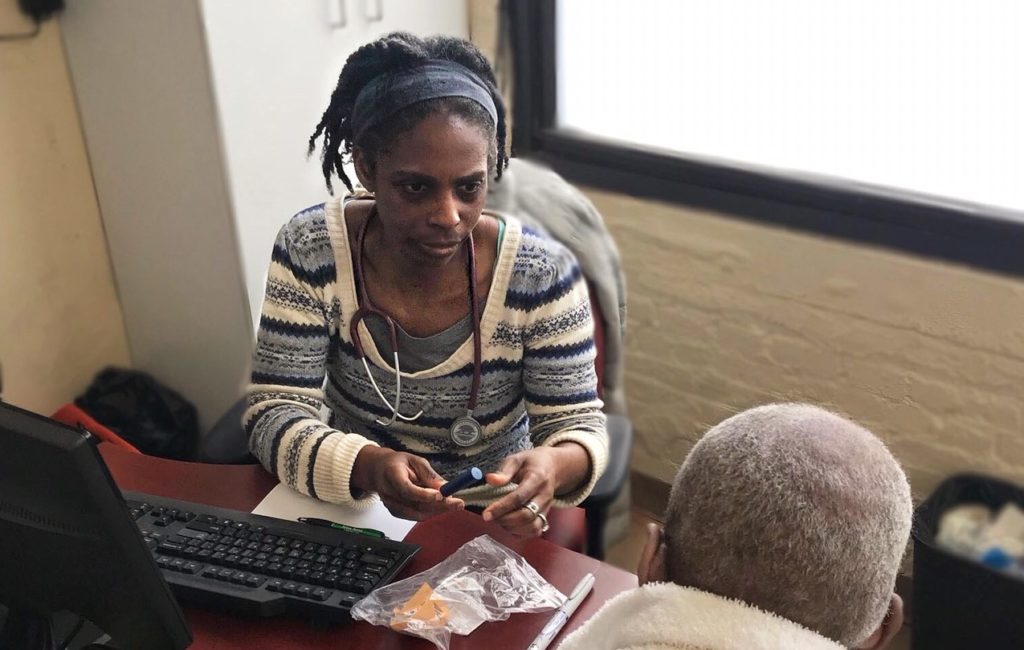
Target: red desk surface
242	487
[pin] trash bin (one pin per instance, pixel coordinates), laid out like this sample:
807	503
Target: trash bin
958	603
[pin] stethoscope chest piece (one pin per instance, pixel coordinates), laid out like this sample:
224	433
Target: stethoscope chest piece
466	431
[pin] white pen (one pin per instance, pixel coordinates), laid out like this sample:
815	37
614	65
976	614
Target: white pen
567	609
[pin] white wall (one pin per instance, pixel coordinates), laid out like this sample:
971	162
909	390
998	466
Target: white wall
196	115
142	86
274	65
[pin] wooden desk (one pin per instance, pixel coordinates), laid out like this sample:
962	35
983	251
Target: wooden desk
242	487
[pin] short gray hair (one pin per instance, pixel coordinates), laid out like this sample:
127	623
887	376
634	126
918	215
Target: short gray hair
795	510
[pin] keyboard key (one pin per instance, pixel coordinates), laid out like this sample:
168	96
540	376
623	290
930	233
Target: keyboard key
170	548
194	533
321	594
275	584
254	580
369	558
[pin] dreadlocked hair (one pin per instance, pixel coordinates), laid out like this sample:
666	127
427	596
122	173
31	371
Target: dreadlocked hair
392	53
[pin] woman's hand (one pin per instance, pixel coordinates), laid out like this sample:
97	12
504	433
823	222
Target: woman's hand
406	483
539	473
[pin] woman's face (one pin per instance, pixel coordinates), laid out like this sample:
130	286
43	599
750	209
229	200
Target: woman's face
430	185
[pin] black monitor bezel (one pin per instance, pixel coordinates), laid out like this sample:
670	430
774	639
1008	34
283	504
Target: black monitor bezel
135	606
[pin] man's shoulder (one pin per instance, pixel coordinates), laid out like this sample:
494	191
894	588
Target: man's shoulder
652	614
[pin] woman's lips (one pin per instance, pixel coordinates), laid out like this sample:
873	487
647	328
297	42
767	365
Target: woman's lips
442	248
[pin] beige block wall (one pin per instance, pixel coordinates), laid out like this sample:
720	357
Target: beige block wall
60	320
726	314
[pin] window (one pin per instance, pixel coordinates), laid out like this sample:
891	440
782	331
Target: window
891	122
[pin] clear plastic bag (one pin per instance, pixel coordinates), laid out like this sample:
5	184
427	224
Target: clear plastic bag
482	581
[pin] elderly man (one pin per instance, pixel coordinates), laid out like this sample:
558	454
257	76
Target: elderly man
784	530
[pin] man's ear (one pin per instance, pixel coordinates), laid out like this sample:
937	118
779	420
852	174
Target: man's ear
888	629
651	567
364	170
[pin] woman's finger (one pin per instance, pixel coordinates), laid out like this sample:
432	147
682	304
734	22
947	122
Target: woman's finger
421	511
508	470
424	473
403	511
400	479
524	516
516	519
528	490
528	528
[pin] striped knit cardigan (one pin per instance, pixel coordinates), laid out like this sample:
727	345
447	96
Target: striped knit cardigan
538	384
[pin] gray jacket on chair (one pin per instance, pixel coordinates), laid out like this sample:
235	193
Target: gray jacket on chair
543	200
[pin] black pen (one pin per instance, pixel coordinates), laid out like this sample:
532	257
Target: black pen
323	523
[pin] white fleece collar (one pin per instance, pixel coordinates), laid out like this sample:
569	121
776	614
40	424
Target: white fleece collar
663	616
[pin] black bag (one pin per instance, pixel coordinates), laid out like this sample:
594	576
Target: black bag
154	418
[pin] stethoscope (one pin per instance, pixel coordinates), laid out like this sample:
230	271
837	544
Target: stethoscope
465	431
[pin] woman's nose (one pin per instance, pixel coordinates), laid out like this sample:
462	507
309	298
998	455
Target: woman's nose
446	213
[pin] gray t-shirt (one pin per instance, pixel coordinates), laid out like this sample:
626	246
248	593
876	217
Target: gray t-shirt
418	354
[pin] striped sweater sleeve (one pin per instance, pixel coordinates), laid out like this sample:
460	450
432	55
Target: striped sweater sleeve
285	396
558	365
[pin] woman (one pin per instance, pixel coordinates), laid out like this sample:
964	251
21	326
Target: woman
493	326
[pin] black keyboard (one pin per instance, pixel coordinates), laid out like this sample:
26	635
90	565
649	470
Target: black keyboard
249	564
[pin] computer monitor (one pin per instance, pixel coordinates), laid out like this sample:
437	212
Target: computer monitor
67	543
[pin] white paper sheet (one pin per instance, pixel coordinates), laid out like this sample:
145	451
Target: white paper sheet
285	503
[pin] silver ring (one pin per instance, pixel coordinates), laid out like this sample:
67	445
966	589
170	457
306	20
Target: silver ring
534	508
543	519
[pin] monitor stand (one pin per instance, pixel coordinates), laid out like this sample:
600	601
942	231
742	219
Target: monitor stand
28	630
24	629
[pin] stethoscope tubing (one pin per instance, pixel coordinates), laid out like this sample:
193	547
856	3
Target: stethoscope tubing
366	308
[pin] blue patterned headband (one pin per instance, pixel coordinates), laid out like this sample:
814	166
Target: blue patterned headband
389	93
